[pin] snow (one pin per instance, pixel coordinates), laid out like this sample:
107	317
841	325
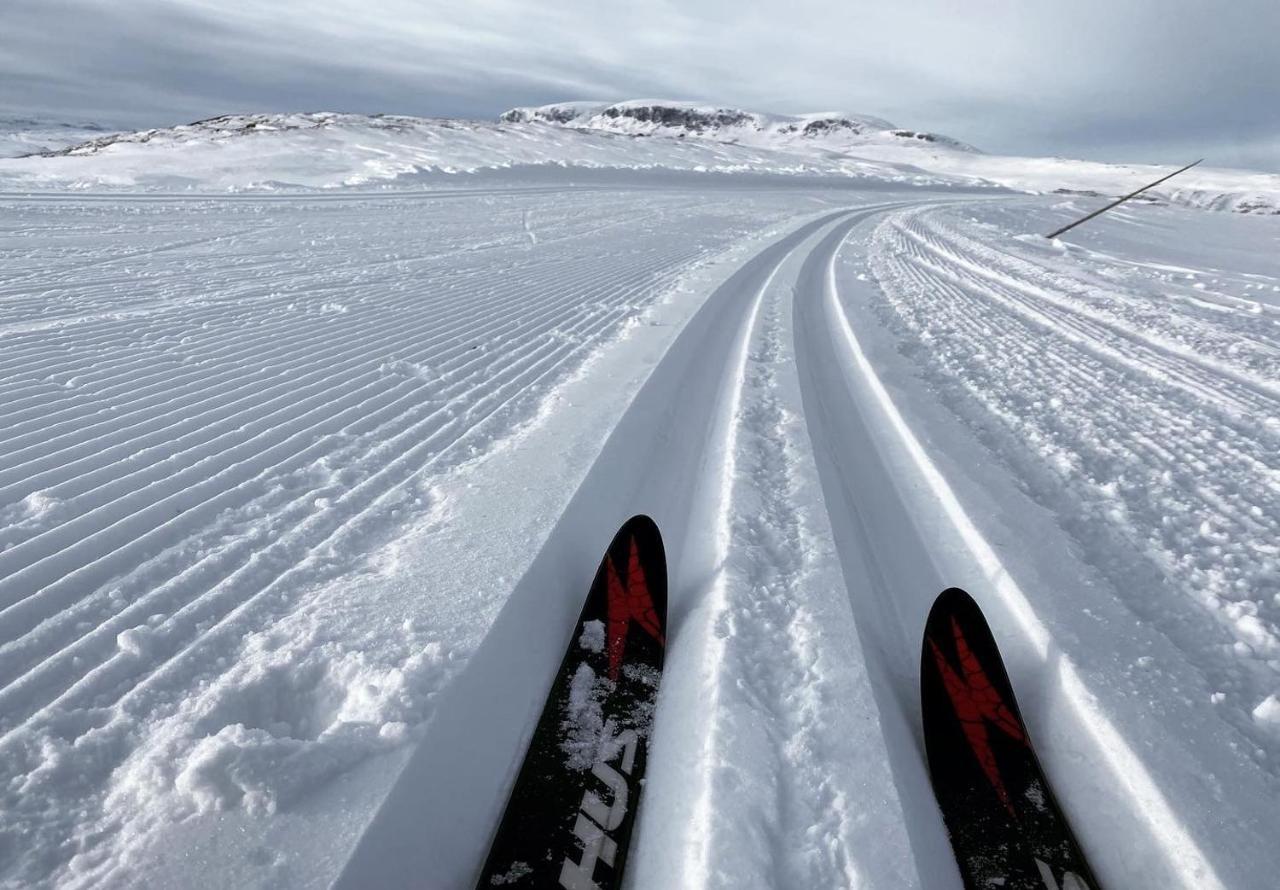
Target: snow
584	724
275	152
592	636
1206	187
869	137
21	136
668	118
310	451
266	152
1267	714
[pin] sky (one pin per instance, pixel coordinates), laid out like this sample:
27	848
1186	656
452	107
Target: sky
1154	81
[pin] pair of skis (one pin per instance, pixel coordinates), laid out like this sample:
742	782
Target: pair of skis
569	819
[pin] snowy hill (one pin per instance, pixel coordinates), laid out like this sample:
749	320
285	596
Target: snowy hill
255	152
20	136
329	150
833	131
869	137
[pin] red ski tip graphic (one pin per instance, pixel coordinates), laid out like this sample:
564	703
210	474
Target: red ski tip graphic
978	703
629	600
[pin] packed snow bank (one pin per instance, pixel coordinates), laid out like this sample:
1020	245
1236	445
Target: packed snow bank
1138	404
324	150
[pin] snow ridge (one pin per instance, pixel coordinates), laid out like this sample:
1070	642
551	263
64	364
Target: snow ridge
289	151
835	131
271	152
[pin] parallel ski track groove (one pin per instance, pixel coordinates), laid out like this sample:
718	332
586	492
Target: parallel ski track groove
87	436
512	382
1118	343
321	331
1139	442
50	660
315	397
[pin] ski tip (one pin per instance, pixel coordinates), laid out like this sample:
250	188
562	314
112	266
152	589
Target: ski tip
953	599
951	607
644	531
639	538
643	525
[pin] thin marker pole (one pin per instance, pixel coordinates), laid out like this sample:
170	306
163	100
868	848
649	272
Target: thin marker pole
1119	201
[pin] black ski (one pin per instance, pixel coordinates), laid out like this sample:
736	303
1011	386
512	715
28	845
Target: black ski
1006	827
570	815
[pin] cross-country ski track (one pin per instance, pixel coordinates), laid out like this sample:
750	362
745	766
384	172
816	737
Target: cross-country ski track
300	497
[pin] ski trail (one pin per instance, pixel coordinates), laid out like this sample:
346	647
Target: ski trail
662	458
903	536
889	568
793	740
704	810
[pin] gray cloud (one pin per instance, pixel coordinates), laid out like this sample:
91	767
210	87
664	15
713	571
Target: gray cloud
1141	81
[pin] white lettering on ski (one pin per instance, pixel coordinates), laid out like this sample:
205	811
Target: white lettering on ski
1070	880
595	817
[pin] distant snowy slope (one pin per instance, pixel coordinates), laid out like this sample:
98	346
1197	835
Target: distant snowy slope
327	150
1205	187
869	137
830	130
245	152
21	136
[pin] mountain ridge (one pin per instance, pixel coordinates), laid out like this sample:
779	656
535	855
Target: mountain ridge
833	130
328	150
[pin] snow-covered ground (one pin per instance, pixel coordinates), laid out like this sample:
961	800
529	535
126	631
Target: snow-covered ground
300	494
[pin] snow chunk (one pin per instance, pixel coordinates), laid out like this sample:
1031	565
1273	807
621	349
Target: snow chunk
135	641
516	873
39	504
1267	713
583	722
592	637
295	709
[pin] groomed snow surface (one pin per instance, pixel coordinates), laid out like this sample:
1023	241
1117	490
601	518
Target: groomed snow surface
300	495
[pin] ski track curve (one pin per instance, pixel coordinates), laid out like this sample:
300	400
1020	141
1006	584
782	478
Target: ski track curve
790	739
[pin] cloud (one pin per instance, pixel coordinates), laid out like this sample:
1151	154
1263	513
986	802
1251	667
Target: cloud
1158	79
